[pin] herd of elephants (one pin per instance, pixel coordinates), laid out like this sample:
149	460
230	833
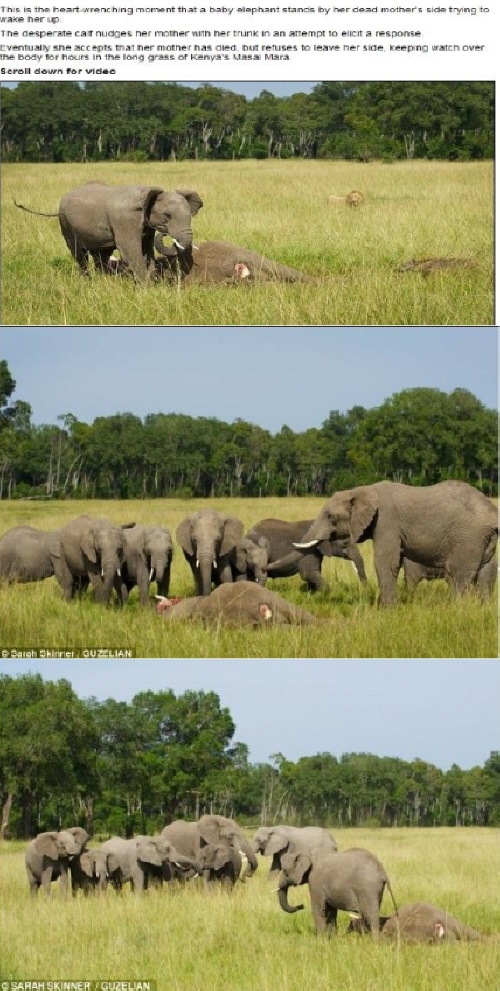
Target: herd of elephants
216	849
448	530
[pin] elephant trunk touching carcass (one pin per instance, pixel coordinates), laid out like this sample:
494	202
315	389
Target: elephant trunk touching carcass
205	562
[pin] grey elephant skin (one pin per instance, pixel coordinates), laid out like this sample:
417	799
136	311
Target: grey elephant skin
249	560
88	550
220	862
97	218
49	855
240	604
221	261
25	554
144	860
486	578
275	841
208	540
88	872
210	830
147	557
450	526
421	922
352	881
285	560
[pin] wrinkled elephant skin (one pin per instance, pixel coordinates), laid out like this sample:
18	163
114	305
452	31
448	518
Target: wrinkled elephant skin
240	604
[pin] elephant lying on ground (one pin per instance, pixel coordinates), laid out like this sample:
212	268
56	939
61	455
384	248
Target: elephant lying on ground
285	560
486	578
143	860
147	557
451	526
240	604
191	838
88	872
420	922
49	855
97	218
275	841
221	261
25	554
352	881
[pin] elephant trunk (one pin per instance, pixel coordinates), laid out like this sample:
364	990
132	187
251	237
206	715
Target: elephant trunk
157	568
205	563
318	531
283	899
286	562
253	863
110	566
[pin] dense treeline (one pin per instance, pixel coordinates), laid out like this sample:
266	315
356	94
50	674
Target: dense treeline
418	436
119	767
139	121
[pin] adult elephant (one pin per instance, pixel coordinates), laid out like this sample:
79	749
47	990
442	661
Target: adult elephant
450	526
285	560
352	881
220	862
88	550
147	557
97	218
485	583
49	855
25	554
221	261
208	540
275	841
241	604
145	859
89	872
191	837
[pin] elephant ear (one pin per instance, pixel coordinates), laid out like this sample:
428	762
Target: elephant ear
183	534
209	832
46	845
364	505
232	534
264	544
240	558
146	198
148	853
299	868
55	545
195	202
80	834
276	843
87	545
87	863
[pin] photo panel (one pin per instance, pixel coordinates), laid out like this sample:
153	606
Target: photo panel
303	493
259	204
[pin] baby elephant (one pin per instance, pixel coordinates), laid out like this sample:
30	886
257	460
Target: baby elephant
352	881
221	261
220	862
239	604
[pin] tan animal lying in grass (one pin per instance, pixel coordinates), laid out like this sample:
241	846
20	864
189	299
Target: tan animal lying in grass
420	922
221	261
354	198
236	604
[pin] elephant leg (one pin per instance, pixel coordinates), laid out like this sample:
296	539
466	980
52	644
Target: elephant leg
387	564
101	259
310	572
34	882
224	571
66	580
79	252
46	881
325	916
463	577
330	919
486	579
130	244
64	881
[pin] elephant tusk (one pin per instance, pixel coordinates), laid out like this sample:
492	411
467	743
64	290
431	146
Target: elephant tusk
178	245
215	564
197	562
102	572
118	572
310	543
151	573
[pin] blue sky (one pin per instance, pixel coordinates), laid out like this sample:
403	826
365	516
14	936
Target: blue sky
443	711
248	89
266	375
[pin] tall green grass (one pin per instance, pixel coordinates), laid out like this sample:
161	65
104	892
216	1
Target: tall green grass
426	624
279	208
192	939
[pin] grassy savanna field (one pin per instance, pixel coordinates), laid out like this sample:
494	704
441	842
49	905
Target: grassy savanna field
192	938
279	208
427	624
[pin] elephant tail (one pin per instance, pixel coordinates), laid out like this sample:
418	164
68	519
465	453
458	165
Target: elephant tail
37	212
388	886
